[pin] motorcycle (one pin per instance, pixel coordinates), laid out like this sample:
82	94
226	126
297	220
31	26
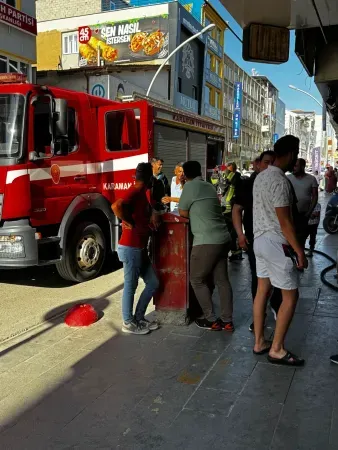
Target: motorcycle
330	222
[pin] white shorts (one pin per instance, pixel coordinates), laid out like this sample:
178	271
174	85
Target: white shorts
272	263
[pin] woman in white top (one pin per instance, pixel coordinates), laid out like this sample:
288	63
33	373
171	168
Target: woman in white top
177	184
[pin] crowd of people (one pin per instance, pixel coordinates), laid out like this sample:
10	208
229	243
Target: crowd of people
270	215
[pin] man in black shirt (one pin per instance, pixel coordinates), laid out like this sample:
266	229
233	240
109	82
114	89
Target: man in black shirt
242	215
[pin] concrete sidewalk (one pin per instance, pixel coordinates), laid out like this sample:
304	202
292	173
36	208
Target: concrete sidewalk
179	387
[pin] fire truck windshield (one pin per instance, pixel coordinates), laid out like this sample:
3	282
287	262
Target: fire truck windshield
11	125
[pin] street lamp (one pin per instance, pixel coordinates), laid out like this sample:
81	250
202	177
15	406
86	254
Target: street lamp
207	28
324	137
306	93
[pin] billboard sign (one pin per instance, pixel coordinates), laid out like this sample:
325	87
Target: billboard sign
236	125
17	19
316	159
133	40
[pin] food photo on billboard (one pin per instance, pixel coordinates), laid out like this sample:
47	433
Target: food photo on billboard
135	40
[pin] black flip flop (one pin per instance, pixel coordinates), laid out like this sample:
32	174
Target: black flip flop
264	351
288	360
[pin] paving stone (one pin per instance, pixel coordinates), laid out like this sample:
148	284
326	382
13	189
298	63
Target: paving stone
196	368
251	423
222	381
191	330
212	401
306	306
163	402
327	306
236	360
308	292
307	414
268	383
213	342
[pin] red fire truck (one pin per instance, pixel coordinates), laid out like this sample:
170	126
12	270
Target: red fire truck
65	156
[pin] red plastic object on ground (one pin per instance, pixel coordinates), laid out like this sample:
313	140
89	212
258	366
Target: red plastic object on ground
81	315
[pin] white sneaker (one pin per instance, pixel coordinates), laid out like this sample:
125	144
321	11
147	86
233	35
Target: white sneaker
134	328
151	326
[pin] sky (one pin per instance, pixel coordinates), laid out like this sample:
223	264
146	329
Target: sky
280	75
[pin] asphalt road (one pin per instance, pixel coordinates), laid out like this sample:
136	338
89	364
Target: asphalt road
31	296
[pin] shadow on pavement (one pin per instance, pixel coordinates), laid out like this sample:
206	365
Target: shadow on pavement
47	276
55	316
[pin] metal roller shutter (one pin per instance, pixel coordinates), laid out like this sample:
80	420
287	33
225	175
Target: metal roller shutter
198	150
170	144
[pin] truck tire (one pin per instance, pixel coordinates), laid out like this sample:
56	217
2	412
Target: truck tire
329	225
84	255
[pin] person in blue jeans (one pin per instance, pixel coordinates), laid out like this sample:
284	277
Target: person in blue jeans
135	211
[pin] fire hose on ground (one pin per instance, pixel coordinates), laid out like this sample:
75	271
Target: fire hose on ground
327	269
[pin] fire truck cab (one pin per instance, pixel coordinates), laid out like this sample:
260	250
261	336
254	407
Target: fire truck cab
65	156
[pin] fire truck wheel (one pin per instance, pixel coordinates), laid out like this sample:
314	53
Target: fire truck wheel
85	254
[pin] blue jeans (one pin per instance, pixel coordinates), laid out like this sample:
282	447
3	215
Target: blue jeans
136	264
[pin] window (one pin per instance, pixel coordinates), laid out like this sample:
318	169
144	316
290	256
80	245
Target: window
3	64
24	68
218	99
208	61
207	21
10	2
122	130
179	84
42	135
218	67
70	43
13	66
11	124
107	5
218	35
194	92
207	94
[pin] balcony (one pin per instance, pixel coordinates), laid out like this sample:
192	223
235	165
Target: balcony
187	103
212	112
213	79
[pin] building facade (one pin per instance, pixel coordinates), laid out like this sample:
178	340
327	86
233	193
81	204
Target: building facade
18	31
244	123
326	141
214	80
130	43
280	120
302	125
269	111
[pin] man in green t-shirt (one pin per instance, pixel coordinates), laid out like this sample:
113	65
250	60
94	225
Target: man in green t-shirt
199	203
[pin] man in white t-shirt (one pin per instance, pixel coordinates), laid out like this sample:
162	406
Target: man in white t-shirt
306	190
278	252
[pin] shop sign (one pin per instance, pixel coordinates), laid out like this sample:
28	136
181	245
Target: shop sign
134	40
12	78
17	19
196	123
236	126
316	159
212	78
214	46
184	102
212	112
192	28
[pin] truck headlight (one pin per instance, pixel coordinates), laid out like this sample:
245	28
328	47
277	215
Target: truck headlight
12	247
1	203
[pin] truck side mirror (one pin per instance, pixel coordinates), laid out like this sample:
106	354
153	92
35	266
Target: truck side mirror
60	118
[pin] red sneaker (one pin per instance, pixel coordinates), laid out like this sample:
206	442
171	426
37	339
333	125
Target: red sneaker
227	326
